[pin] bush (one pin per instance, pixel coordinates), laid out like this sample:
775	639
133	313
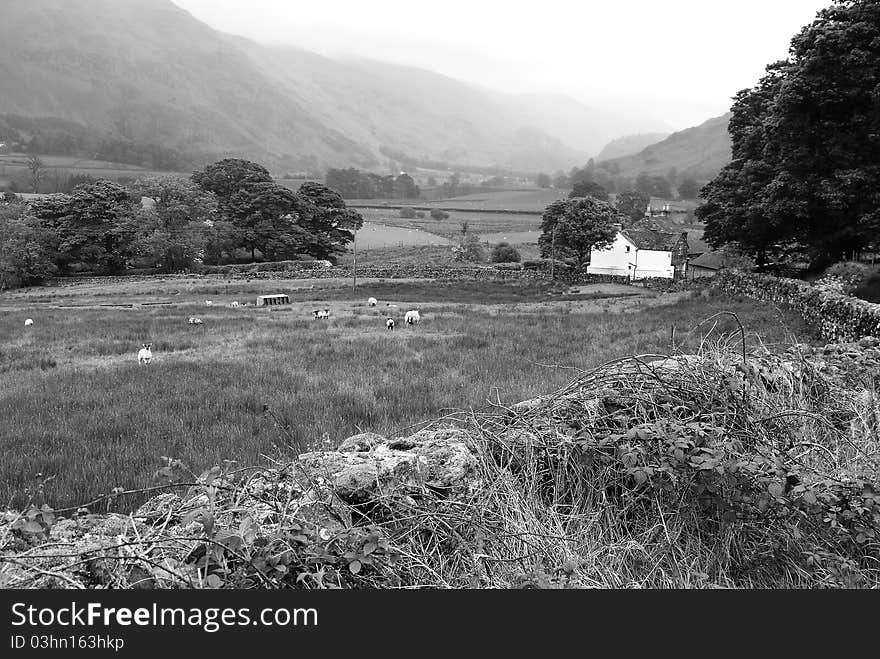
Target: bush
505	253
408	213
437	214
420	215
845	277
471	250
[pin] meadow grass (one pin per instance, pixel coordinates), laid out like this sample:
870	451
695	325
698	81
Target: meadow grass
74	403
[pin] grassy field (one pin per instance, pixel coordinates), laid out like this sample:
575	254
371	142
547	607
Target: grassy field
75	404
481	223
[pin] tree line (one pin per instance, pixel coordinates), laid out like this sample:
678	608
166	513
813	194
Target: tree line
231	210
606	175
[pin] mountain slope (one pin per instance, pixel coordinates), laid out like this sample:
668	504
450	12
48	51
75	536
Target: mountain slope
147	70
629	145
699	152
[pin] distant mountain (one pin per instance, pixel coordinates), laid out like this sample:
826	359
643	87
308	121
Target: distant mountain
147	71
699	152
629	145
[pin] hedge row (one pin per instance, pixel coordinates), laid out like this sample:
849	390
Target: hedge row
837	317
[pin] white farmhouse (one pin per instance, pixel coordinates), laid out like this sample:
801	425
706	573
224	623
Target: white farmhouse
640	254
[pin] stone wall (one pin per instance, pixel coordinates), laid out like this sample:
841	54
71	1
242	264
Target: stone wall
836	316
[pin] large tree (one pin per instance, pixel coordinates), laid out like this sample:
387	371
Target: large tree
330	223
571	228
91	226
806	153
25	258
173	229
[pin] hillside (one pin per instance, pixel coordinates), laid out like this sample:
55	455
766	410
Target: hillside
629	145
147	71
699	152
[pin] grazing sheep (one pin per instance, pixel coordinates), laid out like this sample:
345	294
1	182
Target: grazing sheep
194	321
391	306
28	322
145	354
233	303
412	318
322	314
372	302
389	324
208	303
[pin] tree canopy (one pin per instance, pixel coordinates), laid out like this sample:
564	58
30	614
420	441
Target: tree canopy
632	204
806	145
588	189
571	228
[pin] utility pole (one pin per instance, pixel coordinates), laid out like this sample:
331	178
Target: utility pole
354	279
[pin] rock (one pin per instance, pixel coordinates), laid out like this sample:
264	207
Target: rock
438	459
360	443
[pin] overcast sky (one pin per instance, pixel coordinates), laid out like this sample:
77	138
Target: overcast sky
682	58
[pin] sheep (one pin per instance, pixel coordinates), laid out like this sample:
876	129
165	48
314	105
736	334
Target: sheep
234	303
28	322
372	302
412	318
208	303
194	321
391	306
321	314
145	354
389	324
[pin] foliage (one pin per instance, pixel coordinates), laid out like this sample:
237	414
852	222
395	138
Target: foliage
405	187
352	183
408	212
24	257
470	249
439	214
632	204
505	253
172	233
573	227
260	214
92	226
588	189
806	161
845	277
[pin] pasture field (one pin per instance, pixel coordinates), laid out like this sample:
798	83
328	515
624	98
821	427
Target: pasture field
450	228
75	404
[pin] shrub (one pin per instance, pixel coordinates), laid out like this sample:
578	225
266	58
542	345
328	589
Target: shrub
420	215
505	253
470	250
408	213
845	277
437	214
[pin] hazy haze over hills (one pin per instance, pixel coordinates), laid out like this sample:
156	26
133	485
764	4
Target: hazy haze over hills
147	70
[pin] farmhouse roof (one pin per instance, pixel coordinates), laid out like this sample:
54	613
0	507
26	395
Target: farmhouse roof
651	239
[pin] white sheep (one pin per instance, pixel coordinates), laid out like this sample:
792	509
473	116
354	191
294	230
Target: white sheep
389	324
391	306
234	303
412	317
372	302
208	303
322	314
28	322
194	321
145	354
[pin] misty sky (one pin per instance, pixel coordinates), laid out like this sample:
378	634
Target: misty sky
683	59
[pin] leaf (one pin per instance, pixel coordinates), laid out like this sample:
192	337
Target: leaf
776	489
810	497
640	477
33	527
369	548
354	567
213	581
